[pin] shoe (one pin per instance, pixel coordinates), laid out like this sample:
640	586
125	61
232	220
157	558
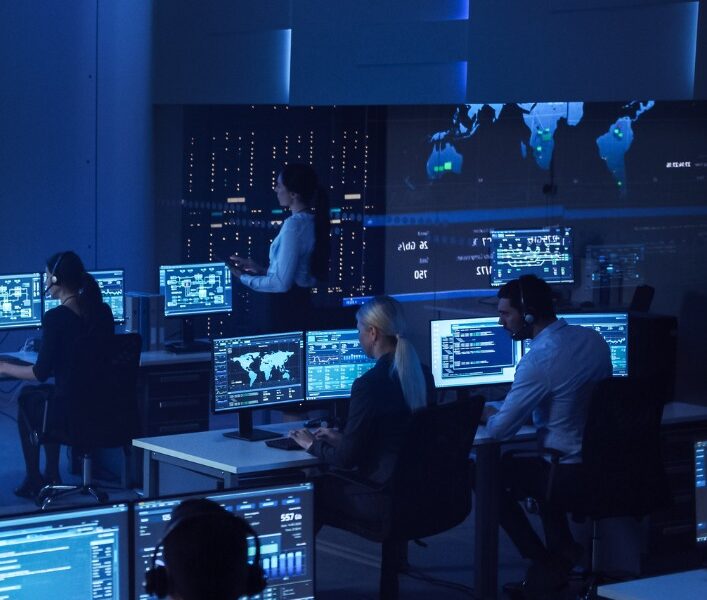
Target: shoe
29	488
52	480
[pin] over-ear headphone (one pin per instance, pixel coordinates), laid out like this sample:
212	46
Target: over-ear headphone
528	317
53	279
157	581
525	332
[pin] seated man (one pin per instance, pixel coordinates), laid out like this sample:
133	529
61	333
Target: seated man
553	383
205	553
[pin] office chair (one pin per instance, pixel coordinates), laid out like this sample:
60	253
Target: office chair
622	473
101	411
429	491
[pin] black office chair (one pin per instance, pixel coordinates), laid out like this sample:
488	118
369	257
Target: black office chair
101	411
429	491
622	473
621	454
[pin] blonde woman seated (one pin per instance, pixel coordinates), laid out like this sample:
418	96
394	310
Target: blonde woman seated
382	401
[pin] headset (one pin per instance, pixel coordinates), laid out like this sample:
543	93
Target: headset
157	580
53	279
526	330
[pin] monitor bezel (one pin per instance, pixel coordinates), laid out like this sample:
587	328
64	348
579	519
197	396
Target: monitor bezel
263	405
495	283
26	325
702	544
517	351
306	365
246	487
128	510
191	315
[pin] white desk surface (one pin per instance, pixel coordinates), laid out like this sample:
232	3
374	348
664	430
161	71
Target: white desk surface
212	449
690	585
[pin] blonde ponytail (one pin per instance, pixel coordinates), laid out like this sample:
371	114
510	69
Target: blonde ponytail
386	314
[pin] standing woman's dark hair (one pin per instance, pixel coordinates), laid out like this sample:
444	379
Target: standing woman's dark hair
301	179
67	269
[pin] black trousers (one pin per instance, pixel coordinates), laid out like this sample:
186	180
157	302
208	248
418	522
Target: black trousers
527	477
30	423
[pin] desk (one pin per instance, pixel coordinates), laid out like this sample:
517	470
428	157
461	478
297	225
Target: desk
173	390
690	585
210	453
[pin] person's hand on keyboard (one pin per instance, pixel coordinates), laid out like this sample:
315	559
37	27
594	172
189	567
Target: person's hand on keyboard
329	435
303	437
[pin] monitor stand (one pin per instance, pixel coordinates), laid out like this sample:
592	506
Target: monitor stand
188	344
245	429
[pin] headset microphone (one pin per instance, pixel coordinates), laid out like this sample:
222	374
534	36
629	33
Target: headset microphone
53	279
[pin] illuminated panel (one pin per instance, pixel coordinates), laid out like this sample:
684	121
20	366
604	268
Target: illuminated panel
20	300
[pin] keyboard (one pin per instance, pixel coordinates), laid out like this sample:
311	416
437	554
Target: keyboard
13	360
284	443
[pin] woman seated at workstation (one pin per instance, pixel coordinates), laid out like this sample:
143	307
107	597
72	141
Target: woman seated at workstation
82	312
382	402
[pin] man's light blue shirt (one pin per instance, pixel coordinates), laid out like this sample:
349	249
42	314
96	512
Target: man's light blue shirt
553	382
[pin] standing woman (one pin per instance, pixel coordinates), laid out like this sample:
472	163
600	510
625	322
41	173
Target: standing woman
299	255
81	313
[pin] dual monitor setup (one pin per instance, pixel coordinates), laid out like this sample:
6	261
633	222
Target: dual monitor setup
262	371
23	299
104	551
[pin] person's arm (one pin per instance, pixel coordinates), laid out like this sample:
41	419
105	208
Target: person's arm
43	369
353	442
281	273
25	372
529	387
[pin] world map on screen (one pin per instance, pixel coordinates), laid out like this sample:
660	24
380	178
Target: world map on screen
541	119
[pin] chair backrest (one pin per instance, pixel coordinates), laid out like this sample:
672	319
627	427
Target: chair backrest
430	485
621	449
102	408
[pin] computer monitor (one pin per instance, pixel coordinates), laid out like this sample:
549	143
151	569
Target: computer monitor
545	252
283	518
20	300
112	285
81	553
475	351
334	360
701	492
614	329
192	290
257	371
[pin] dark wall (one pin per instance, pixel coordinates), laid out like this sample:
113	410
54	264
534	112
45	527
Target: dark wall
75	119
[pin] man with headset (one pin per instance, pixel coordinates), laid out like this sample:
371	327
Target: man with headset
205	555
552	384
